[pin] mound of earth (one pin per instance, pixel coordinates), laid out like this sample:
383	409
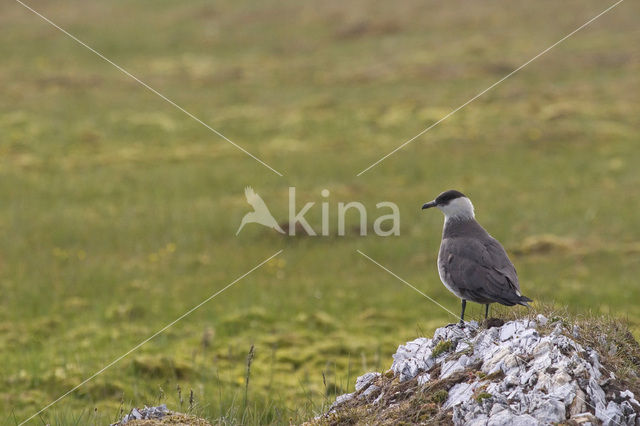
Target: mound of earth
522	372
160	415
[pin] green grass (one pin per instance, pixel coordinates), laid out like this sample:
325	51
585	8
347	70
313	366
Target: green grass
441	348
118	213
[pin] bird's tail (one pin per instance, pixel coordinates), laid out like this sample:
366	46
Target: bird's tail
524	301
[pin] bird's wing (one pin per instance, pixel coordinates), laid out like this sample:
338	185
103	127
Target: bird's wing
501	262
480	270
254	199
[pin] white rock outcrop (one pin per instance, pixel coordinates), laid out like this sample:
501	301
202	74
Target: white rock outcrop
146	413
520	376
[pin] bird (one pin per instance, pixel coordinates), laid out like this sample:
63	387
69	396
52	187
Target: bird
471	263
261	213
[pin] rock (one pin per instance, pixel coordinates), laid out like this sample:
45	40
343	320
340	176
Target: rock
507	331
146	413
343	398
549	410
413	358
369	391
340	400
576	332
424	378
135	414
365	380
627	394
458	394
450	367
507	375
541	319
508	418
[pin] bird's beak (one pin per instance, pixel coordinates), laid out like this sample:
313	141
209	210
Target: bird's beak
429	205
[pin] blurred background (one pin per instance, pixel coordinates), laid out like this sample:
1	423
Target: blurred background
118	212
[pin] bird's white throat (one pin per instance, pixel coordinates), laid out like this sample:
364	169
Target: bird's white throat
458	209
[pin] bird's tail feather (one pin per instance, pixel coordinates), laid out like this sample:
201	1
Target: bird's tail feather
524	301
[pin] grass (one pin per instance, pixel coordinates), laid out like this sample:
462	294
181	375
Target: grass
441	348
119	213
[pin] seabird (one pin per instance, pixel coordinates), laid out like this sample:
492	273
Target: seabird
471	263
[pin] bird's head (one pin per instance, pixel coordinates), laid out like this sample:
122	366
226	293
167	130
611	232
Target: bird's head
454	204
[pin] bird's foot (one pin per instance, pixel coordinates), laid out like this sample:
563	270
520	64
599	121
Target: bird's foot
455	324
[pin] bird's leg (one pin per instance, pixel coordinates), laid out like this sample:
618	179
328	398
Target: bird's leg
464	305
486	311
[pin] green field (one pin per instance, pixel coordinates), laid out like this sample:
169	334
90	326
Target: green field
118	212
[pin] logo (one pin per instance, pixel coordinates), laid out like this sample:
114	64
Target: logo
260	213
384	225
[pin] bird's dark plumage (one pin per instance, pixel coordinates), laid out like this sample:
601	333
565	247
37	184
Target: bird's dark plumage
472	264
476	266
447	196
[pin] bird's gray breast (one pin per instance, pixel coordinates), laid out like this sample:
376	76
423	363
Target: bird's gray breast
444	263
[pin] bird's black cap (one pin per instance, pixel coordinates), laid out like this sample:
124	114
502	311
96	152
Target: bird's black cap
447	196
443	199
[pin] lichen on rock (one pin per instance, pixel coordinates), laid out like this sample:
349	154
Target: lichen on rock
524	372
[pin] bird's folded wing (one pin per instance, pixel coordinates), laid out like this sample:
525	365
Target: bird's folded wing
501	262
480	270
